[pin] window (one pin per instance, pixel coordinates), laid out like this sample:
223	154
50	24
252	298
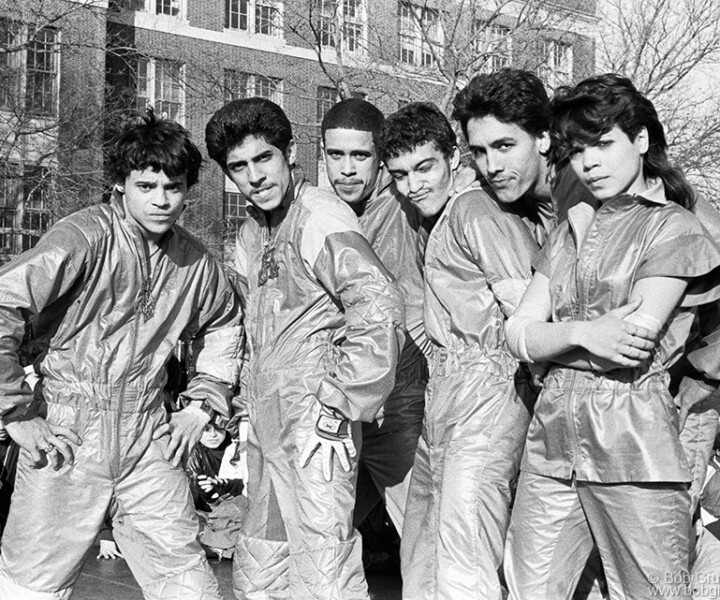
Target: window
420	35
254	16
9	63
239	84
234	209
167	7
327	23
346	16
326	98
9	190
24	208
557	66
493	45
36	213
159	84
42	71
236	14
28	69
120	5
265	16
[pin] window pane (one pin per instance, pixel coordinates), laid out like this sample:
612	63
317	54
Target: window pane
142	84
410	35
236	84
10	188
267	87
326	98
353	36
264	18
168	89
9	55
234	210
36	213
236	14
327	23
167	7
41	73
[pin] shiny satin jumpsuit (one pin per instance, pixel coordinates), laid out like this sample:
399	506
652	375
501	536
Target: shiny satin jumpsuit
325	324
112	320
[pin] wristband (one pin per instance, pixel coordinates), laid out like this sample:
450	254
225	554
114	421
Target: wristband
331	425
205	407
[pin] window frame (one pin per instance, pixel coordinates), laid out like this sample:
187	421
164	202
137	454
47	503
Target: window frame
153	87
234	208
416	48
253	83
153	7
252	19
344	16
36	66
494	40
25	205
551	71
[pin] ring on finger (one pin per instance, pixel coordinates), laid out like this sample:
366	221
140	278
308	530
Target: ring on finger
47	449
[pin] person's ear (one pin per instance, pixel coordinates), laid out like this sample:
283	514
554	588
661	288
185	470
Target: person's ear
642	140
120	188
543	143
455	158
291	153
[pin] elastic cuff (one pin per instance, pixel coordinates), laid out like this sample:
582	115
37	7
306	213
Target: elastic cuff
18	412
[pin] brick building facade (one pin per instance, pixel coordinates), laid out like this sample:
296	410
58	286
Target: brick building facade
187	57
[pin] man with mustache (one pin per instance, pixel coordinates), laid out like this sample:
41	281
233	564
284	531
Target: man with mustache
350	132
324	328
505	117
478	398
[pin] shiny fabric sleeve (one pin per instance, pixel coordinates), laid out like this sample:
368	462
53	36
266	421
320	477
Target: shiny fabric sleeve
240	400
701	366
497	242
28	285
542	261
217	342
345	264
681	248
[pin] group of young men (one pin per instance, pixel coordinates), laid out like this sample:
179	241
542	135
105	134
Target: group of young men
370	331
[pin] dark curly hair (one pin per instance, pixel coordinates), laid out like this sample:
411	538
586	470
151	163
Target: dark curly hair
584	113
509	95
231	124
151	143
413	125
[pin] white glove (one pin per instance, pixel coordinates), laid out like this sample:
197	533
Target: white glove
333	435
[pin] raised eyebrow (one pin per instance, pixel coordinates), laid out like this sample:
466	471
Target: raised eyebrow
262	155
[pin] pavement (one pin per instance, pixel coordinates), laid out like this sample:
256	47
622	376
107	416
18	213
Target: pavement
112	580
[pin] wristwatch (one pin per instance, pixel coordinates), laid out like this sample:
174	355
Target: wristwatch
207	408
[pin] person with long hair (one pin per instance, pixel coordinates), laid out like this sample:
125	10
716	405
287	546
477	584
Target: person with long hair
609	307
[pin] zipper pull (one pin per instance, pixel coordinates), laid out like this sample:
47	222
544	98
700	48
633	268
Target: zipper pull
146	303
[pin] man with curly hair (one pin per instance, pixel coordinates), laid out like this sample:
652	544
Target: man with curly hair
115	287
